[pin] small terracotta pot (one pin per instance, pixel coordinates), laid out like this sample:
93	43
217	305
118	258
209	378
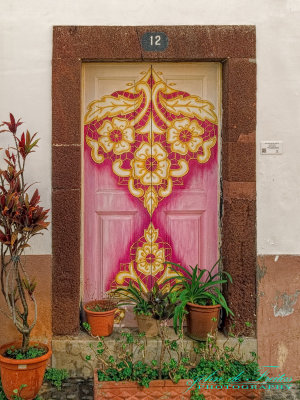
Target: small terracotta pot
202	320
15	373
101	322
148	325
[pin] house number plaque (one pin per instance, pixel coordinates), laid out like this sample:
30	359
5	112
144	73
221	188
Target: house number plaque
154	41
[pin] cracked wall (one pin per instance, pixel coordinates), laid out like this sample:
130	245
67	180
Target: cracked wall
278	313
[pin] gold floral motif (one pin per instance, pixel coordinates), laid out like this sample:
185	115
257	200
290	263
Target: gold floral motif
110	106
190	106
147	259
116	135
150	164
130	275
185	135
151	199
151	131
150	258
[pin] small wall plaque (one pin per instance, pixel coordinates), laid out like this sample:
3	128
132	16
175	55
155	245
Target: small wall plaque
271	147
154	41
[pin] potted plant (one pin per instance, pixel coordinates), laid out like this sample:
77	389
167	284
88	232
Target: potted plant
200	299
21	218
205	371
101	315
149	307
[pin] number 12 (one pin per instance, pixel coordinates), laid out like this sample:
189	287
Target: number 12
155	39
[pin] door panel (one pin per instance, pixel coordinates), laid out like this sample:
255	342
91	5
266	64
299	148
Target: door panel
150	171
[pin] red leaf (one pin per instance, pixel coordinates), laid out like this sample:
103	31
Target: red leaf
12	125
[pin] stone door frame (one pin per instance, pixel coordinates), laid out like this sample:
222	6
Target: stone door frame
235	48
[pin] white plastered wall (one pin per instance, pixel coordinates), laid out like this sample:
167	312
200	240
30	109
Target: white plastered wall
25	87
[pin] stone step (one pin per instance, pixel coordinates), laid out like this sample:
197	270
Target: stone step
69	352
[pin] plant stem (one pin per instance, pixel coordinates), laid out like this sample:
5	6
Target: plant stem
163	347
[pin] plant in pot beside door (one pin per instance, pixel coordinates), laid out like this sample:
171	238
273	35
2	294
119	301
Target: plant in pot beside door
150	307
21	218
101	316
200	299
141	300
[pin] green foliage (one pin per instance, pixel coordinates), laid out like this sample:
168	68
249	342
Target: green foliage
86	326
198	286
196	395
17	393
56	376
162	304
19	354
128	371
153	303
127	362
134	296
102	306
2	395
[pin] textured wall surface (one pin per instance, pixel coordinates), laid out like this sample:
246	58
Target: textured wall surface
278	317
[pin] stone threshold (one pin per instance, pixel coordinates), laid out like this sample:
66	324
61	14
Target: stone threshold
69	352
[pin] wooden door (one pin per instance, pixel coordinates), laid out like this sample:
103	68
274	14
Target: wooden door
150	171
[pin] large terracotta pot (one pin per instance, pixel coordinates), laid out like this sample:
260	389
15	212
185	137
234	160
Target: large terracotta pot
202	320
102	323
148	325
166	389
15	373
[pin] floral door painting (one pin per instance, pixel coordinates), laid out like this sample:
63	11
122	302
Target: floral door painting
150	171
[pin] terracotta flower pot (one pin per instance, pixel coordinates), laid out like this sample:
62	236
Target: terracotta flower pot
148	325
30	372
202	320
166	389
101	322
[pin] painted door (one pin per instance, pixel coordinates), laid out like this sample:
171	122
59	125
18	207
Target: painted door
150	171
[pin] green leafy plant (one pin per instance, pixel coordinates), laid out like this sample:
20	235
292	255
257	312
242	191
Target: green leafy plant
135	296
17	393
196	395
56	376
199	286
162	304
155	303
21	218
127	361
103	306
19	354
